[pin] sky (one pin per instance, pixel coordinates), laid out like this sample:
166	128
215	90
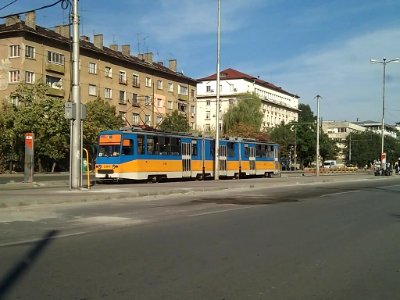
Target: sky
307	47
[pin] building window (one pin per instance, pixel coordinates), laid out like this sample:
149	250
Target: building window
208	102
208	115
108	72
135	80
147	100
192	109
92	68
192	92
122	77
183	90
148	81
30	52
15	51
122	97
29	77
135	100
208	89
159	120
55	58
159	102
13	76
92	90
182	107
147	120
135	119
54	82
159	84
108	93
170	87
207	127
170	105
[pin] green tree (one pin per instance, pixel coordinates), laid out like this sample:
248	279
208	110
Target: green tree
284	135
45	118
362	148
306	138
175	122
8	153
100	115
244	118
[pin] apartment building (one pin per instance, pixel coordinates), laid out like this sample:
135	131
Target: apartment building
143	91
278	105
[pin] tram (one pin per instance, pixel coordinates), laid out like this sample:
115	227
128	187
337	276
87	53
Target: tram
139	154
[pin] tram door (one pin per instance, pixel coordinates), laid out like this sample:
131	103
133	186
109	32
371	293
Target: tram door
186	150
252	160
222	160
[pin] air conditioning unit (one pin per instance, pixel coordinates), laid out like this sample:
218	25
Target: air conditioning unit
235	89
211	91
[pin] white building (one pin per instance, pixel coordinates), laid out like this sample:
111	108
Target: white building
278	105
340	130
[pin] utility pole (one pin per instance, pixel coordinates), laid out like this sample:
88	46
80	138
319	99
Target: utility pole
318	97
76	147
216	164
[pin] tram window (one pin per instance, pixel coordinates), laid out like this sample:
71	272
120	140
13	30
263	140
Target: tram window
175	146
231	149
140	144
194	148
150	145
270	152
165	147
127	148
246	151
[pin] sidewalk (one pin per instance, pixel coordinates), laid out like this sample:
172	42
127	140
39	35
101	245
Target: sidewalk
57	191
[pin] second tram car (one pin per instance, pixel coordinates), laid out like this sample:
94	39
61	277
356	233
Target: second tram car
153	155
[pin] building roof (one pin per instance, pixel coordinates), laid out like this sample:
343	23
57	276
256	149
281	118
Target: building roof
20	27
234	74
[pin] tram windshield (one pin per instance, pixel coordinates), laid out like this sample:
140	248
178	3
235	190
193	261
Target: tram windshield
108	150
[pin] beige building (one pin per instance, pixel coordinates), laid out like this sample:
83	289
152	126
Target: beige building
143	91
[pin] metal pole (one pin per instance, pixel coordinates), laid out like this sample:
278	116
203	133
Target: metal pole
76	129
383	106
317	152
216	165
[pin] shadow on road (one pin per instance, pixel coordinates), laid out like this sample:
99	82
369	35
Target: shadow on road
25	263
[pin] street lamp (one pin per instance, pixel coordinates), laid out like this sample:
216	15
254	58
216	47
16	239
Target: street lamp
318	97
384	62
217	100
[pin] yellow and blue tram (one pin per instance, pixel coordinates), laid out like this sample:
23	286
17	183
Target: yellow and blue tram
153	155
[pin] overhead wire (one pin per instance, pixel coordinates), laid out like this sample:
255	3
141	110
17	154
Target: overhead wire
7	5
64	5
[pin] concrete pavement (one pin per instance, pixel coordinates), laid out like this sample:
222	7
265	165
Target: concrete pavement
19	194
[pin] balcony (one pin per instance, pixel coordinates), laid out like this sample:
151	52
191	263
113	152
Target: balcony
57	68
55	92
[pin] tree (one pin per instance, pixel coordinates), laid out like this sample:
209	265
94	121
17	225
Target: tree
362	148
306	138
100	115
45	118
244	118
8	153
175	122
284	135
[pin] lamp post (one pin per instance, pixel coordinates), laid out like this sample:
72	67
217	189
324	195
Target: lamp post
217	100
384	62
318	97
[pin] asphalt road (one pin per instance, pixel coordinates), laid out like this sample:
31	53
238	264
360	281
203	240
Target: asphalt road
314	241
